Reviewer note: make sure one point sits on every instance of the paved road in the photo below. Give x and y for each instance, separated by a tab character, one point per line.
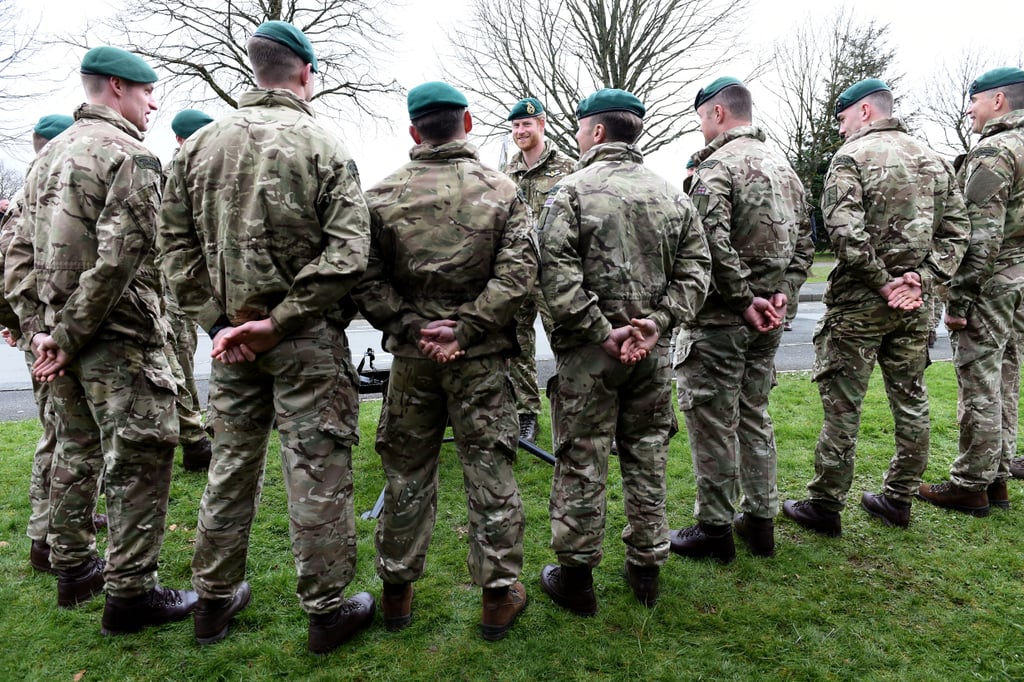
795	354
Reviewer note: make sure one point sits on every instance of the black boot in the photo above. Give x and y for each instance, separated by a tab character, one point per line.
703	541
571	587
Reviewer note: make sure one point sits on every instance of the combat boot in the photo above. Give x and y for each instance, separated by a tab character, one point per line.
885	509
704	541
39	557
396	605
328	631
952	496
813	517
643	580
501	607
571	587
160	605
79	584
213	616
99	521
757	533
196	456
998	495
528	427
1017	468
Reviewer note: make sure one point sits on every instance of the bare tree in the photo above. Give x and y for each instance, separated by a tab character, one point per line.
812	66
18	45
11	181
945	98
201	44
562	50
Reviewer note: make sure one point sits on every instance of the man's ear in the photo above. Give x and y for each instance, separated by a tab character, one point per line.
415	135
467	121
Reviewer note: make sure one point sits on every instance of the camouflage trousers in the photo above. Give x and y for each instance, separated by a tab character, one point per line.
183	344
847	342
476	397
595	398
523	367
988	377
114	411
308	384
42	460
723	382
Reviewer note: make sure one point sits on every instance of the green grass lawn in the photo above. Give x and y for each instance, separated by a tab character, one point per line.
938	601
823	264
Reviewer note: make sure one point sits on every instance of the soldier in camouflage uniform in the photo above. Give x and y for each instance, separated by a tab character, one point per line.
264	231
536	168
619	247
81	276
195	445
452	259
751	204
985	313
898	227
45	130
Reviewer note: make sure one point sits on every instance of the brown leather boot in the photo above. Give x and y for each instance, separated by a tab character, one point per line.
812	516
643	580
39	557
79	584
328	631
160	605
998	495
952	496
1017	468
571	587
885	509
212	617
501	607
757	533
396	605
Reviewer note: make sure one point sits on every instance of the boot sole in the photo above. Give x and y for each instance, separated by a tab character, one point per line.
397	623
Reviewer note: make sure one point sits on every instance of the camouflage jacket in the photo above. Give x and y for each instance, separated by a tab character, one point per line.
452	240
7	316
994	194
536	182
891	206
751	204
263	217
81	263
617	242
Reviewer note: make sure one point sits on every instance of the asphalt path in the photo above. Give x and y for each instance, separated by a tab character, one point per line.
795	354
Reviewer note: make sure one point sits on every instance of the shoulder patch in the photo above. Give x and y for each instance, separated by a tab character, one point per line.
353	170
552	195
148	162
983	151
710	163
843	160
830	197
982	186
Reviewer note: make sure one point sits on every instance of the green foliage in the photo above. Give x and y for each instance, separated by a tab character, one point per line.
936	601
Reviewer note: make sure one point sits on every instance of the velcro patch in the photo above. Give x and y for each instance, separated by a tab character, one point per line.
710	163
844	160
983	184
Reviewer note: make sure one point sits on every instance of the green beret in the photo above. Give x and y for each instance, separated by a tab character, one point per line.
52	125
295	40
691	163
996	78
113	61
713	88
526	108
188	121
434	96
859	91
610	99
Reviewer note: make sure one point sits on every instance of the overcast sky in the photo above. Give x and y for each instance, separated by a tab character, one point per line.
921	34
